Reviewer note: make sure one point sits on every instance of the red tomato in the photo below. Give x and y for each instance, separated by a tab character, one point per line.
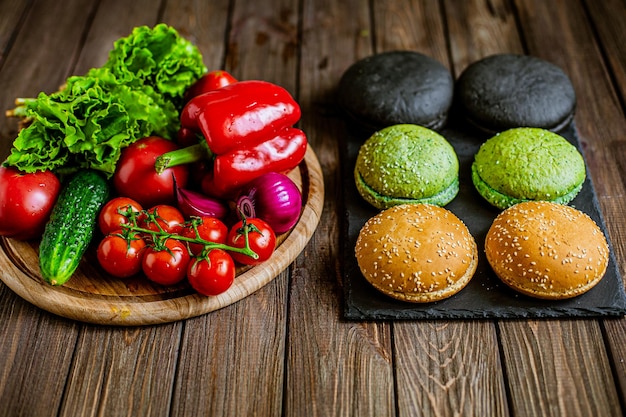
209	82
26	201
210	228
162	216
121	257
261	237
135	176
166	265
212	275
117	212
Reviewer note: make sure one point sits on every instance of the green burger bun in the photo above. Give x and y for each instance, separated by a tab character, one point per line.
527	164
406	164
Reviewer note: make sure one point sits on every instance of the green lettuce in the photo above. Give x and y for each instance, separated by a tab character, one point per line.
138	92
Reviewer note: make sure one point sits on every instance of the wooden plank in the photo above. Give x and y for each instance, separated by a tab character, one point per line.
334	368
561	354
39	63
123	371
35	358
492	27
611	30
615	331
203	23
114	19
262	43
232	360
37	346
432	372
558	369
609	26
448	369
519	361
10	24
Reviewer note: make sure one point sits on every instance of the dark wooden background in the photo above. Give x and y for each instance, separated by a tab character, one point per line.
285	350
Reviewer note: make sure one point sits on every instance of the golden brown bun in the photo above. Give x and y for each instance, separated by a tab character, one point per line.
416	252
547	250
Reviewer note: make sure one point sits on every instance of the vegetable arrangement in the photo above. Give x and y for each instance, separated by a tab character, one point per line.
180	172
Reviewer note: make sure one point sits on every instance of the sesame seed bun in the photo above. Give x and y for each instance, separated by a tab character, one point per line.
404	164
547	250
416	252
528	164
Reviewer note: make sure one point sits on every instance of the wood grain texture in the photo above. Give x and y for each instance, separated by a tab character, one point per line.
11	12
432	376
571	37
558	369
113	19
265	34
612	32
35	358
121	371
33	339
488	28
285	350
27	69
205	23
334	368
448	369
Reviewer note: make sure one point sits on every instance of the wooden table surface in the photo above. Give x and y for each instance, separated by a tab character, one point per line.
286	350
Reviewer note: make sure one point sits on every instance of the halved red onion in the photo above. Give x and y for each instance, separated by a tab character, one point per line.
274	198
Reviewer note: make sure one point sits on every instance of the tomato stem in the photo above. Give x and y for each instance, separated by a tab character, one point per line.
160	236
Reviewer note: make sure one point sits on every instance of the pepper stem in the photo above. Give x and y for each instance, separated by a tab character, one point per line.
193	153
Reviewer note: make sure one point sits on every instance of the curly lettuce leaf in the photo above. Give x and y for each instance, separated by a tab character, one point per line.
158	57
87	123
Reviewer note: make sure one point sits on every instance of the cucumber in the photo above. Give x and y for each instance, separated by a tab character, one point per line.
71	226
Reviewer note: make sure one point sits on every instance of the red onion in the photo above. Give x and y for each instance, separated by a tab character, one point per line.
274	198
192	203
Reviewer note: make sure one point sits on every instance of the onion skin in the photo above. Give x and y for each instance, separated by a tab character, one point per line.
274	198
195	204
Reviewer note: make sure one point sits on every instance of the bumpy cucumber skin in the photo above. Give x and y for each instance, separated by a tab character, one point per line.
71	226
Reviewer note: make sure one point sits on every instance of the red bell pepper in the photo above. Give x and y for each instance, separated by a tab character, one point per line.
242	113
234	169
248	131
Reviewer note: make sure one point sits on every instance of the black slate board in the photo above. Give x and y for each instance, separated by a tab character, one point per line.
485	296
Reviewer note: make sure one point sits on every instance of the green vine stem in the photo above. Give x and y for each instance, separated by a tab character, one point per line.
159	237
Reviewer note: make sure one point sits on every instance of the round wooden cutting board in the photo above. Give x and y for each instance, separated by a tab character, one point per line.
93	296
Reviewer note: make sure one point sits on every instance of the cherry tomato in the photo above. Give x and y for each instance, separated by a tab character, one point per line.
169	218
166	265
26	201
208	82
213	274
117	212
119	256
135	176
261	237
209	228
